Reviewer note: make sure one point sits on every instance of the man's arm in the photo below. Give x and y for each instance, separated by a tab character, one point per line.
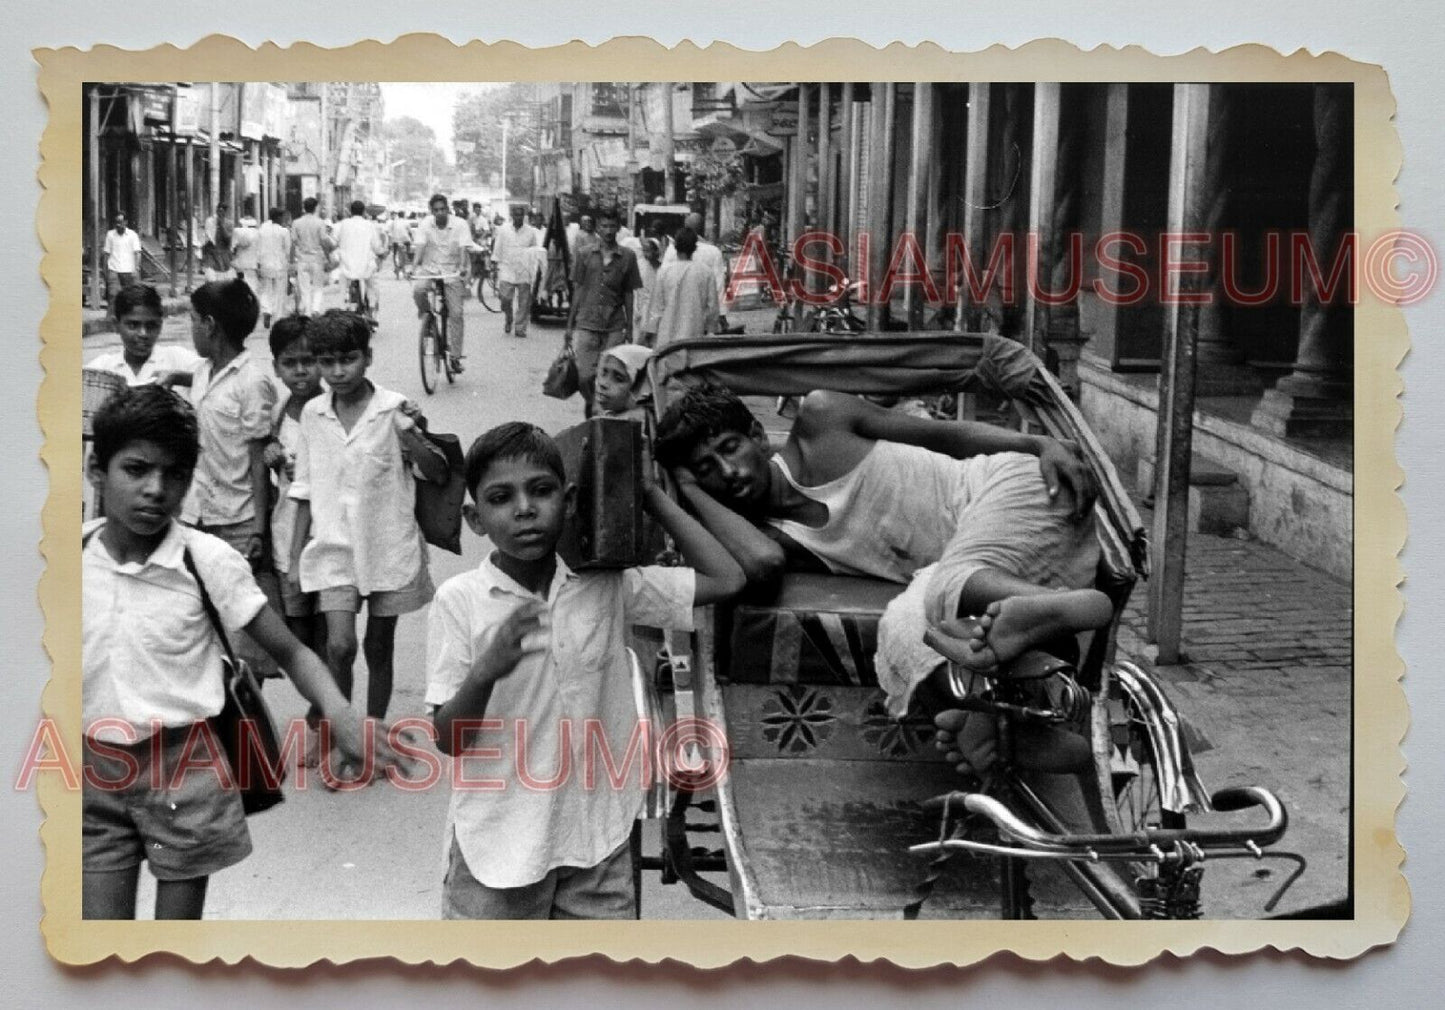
719	577
260	498
516	638
761	558
822	411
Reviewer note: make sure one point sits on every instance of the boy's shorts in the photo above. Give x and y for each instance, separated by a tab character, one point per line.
191	830
384	602
295	602
604	891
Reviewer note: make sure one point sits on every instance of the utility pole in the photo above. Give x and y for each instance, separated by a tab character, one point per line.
215	146
506	123
321	183
668	153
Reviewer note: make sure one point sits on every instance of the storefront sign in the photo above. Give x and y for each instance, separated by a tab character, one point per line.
188	110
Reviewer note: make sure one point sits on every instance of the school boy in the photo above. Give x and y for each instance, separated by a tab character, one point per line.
539	650
356	538
151	669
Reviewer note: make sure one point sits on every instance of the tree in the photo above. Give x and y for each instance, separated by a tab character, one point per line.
477	119
413	143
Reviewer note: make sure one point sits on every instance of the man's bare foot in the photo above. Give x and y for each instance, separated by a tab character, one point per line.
968	741
312	757
1013	626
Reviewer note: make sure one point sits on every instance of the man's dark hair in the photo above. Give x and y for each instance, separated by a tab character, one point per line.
232	304
147	413
286	331
309	204
704	411
438	196
357	207
277	215
137	296
685	239
610	212
513	440
337	331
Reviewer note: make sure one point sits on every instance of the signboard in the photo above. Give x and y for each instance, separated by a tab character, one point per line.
464	146
155	104
188	110
784	121
276	107
253	110
303	135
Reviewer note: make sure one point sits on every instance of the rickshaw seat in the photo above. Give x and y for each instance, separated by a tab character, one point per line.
816	629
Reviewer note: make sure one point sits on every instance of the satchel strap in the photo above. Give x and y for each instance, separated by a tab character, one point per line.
209	607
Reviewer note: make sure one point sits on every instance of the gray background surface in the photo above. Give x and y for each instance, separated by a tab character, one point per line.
1407	38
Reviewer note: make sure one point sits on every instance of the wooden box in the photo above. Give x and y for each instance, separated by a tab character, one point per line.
604	458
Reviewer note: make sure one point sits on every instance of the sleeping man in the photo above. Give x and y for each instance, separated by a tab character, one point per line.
991	530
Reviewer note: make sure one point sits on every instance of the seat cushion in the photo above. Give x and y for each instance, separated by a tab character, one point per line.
817	629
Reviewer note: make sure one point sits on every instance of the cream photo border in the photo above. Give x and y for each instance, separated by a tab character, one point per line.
1381	897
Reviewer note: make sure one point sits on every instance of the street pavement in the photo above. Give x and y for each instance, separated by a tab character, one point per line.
1266	694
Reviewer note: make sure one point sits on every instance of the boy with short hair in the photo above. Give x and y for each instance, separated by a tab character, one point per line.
296	367
539	651
151	663
356	537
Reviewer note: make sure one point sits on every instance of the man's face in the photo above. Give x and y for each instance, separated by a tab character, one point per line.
120	223
733	468
519	216
440	213
607	231
142	487
588	225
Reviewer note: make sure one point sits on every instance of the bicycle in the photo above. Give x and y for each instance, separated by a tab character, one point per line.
1125	844
487	292
356	301
433	342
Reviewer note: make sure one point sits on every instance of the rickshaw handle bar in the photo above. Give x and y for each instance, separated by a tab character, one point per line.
1236	798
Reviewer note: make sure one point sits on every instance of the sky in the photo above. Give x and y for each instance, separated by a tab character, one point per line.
430	102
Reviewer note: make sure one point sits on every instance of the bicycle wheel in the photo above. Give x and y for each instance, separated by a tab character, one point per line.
444	351
1145	780
427	351
487	292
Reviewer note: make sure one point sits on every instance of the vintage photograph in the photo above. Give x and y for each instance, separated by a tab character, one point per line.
752	500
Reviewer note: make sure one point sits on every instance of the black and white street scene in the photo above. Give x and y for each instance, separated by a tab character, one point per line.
771	500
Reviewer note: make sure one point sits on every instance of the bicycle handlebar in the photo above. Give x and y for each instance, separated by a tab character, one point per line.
1039	840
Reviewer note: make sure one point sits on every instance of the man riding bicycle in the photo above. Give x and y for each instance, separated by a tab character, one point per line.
441	248
359	247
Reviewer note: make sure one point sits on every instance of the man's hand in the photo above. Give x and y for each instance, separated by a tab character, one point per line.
1065	470
273	456
518	636
350	731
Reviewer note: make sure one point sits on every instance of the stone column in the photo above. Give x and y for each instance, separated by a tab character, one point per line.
1315	400
1053	219
923	157
1221	364
880	204
975	199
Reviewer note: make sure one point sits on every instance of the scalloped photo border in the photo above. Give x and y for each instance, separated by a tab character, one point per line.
1381	897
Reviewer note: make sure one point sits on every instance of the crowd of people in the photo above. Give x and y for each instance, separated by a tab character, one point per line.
205	494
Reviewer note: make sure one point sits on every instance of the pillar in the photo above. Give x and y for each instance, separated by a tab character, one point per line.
882	110
975	198
97	213
923	157
822	221
172	233
1315	399
847	150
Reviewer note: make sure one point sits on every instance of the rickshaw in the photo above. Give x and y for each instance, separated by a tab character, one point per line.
828	807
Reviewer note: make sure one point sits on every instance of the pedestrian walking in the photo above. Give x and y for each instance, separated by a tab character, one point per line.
122	251
216	250
273	265
711	257
244	251
516	270
356	538
311	244
603	282
647	266
359	248
684	300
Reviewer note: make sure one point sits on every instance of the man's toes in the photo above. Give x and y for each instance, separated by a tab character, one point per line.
950	720
992	611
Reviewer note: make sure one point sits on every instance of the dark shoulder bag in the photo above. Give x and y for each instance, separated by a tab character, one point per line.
244	728
439	506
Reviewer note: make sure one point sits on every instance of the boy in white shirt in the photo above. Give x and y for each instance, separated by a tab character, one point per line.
151	670
356	537
527	645
138	315
122	256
